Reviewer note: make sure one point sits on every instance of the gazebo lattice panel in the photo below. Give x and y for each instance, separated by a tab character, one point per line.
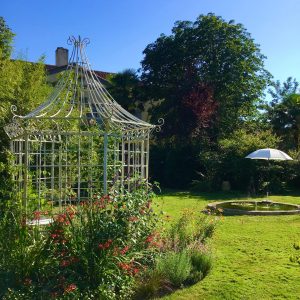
77	143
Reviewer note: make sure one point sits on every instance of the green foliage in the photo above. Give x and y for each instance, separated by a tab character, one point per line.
244	174
201	265
175	266
126	89
184	258
283	116
244	141
285	119
189	231
173	165
22	84
210	51
244	250
95	249
206	80
23	250
6	38
153	283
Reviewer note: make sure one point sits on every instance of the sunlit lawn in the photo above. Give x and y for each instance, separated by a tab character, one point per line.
251	253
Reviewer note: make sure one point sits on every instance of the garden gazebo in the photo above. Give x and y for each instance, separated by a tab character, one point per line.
77	143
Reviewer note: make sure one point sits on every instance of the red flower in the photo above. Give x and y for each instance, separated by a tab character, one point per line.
63	219
124	250
106	245
37	215
149	238
27	281
64	263
70	288
133	219
135	271
128	268
74	259
124	266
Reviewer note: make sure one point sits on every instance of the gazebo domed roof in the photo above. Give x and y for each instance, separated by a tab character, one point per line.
80	94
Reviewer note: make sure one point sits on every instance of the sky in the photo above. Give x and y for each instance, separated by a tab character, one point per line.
119	30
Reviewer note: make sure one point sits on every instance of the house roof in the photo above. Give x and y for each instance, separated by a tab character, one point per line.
102	76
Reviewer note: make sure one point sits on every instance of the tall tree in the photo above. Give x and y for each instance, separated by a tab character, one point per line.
218	55
126	89
22	84
6	38
283	113
280	91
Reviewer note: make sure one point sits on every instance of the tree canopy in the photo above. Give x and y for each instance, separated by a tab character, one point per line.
22	84
210	64
283	113
126	89
6	38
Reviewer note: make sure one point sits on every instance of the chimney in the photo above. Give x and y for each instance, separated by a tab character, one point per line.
61	56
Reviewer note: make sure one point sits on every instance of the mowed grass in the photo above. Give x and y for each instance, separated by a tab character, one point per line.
251	253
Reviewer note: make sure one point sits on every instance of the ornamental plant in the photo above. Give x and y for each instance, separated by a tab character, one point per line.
184	256
95	249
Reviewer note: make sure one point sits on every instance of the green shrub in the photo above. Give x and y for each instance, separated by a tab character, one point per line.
201	265
205	228
152	284
190	229
184	258
93	249
175	267
201	262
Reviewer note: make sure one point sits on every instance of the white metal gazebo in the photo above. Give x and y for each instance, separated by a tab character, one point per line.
77	143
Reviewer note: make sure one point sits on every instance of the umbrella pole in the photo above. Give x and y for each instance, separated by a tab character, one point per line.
268	179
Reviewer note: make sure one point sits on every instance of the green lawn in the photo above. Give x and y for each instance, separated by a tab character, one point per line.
251	253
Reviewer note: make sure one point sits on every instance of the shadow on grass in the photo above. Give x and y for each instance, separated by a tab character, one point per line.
217	196
204	196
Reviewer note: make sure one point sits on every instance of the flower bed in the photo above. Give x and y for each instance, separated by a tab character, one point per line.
110	247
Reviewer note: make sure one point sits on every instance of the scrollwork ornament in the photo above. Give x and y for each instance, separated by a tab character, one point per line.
79	42
14	129
160	122
13	109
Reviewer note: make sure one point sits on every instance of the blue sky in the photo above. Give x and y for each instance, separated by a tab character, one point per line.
120	30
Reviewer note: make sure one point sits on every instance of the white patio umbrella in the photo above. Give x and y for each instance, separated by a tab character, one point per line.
269	154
